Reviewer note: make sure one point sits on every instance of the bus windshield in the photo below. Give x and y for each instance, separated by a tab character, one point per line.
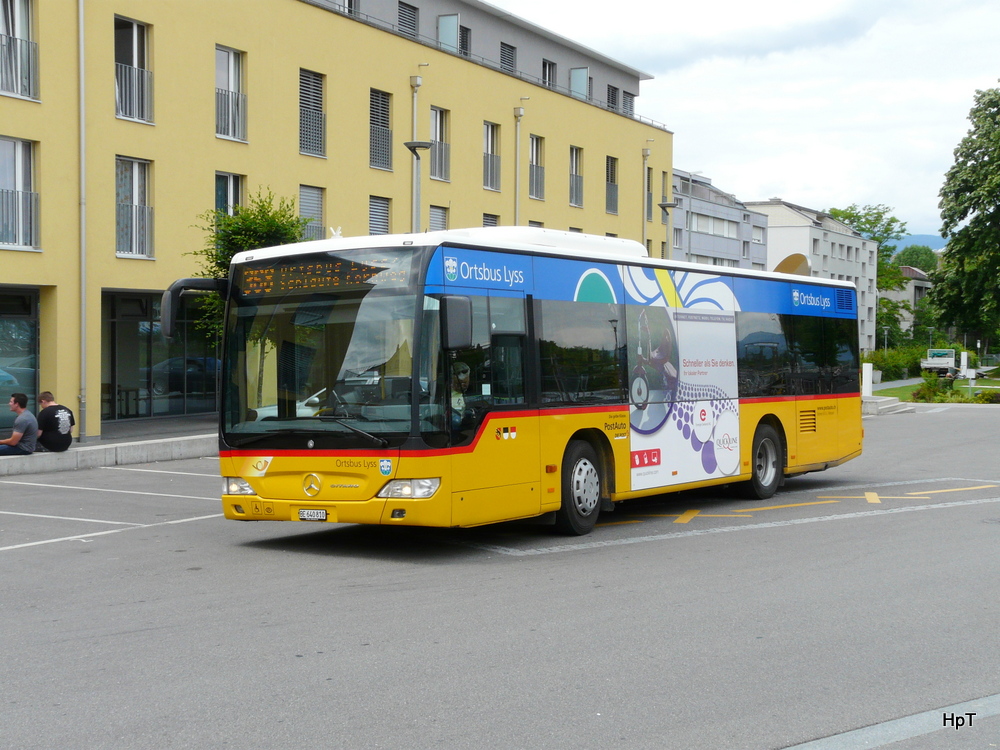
322	350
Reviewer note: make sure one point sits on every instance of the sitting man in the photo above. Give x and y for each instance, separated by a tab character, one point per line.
22	441
55	423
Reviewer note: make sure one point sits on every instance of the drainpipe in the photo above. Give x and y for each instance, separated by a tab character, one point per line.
645	190
518	114
82	421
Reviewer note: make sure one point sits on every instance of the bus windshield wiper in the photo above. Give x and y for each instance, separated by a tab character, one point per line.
269	433
380	442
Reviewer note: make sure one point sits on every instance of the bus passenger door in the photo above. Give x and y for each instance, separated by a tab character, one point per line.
495	465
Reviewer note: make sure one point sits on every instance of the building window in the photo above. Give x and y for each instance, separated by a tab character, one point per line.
133	79
579	82
536	224
549	73
312	120
746	249
440	148
464	40
758	236
18	204
678	238
18	53
508	57
311	207
611	184
613	98
628	104
228	191
134	219
407	19
649	194
491	220
575	176
536	168
351	7
230	101
438	218
378	215
380	145
491	156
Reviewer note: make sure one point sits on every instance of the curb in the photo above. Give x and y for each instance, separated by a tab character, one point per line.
116	454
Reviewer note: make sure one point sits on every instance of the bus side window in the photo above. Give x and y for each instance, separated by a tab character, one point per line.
507	365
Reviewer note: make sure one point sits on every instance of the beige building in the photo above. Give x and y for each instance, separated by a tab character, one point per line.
812	243
124	121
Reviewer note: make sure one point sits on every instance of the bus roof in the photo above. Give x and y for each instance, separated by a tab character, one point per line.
532	240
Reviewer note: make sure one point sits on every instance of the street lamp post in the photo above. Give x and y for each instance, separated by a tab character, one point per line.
885	338
930	338
665	206
415	148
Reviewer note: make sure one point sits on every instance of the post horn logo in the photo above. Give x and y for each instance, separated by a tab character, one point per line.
311	485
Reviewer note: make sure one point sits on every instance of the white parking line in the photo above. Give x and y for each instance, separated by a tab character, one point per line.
160	471
896	730
513	552
102	489
67	518
105	533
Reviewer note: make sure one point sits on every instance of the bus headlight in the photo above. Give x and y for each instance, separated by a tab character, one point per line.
236	486
414	489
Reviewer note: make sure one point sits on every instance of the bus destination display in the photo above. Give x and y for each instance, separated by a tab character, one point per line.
324	276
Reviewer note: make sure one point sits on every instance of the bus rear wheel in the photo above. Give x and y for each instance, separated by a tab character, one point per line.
767	457
581	490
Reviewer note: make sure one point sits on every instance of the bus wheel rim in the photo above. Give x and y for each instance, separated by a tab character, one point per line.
766	458
586	487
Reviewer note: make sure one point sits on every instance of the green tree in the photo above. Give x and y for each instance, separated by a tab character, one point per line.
966	289
259	223
877	223
917	256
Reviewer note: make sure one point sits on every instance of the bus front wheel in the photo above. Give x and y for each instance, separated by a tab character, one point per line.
767	458
581	490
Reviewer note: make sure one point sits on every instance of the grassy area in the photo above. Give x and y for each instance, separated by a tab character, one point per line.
905	392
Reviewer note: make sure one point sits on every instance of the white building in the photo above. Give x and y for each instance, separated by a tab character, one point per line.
712	227
813	243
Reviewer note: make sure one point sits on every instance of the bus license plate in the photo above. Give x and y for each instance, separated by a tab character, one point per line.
312	514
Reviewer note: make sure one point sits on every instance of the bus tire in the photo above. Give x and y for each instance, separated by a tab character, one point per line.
581	490
767	462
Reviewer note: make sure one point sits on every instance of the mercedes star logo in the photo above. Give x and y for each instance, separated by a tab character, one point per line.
311	485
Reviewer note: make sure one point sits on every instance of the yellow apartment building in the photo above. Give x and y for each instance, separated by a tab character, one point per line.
124	121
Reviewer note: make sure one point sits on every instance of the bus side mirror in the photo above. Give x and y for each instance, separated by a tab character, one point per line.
170	304
456	319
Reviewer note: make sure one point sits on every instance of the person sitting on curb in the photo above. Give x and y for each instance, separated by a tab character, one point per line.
22	441
55	422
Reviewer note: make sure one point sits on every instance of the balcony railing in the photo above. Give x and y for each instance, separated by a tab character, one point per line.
440	160
18	66
18	218
491	171
231	114
536	181
312	132
380	147
313	230
134	231
611	198
133	93
576	190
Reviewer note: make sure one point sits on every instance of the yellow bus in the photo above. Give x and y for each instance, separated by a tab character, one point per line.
467	377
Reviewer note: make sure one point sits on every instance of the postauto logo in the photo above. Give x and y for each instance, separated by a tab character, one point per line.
808	299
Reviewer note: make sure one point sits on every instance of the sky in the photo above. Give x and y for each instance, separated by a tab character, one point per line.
823	103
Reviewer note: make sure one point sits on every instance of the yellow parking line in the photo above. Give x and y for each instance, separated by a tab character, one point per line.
687	516
779	507
957	489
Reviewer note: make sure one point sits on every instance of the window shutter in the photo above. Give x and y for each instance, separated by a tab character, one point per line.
311	207
407	19
378	215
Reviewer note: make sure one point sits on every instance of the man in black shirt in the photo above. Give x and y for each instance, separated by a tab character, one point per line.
54	423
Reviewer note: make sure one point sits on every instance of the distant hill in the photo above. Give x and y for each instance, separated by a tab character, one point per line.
933	241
